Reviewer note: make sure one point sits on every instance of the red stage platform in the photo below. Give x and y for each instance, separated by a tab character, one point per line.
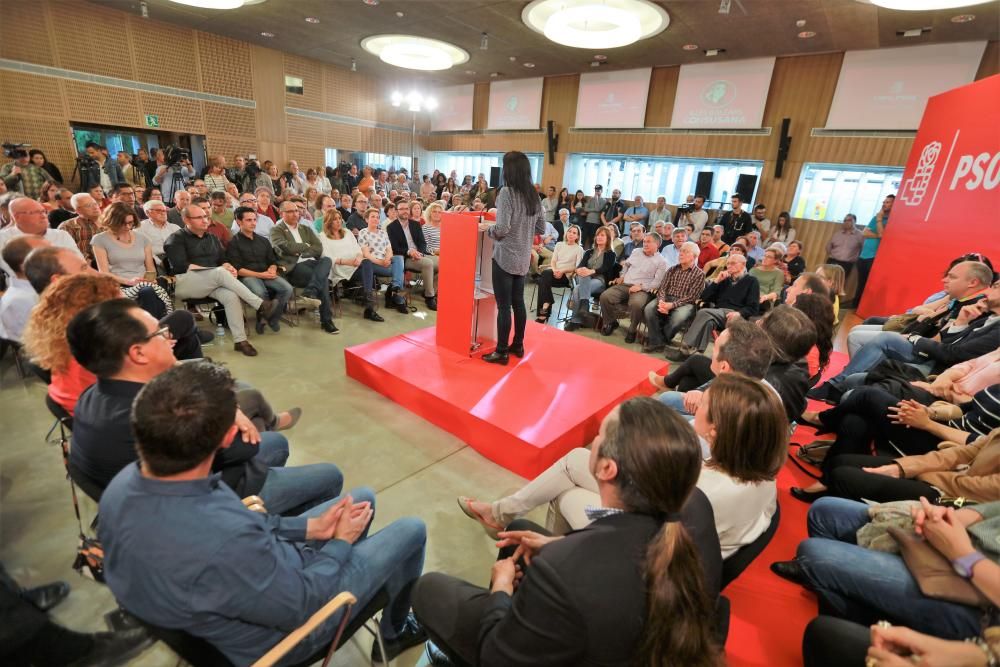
523	416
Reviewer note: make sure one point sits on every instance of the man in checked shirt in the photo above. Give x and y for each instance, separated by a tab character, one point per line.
674	302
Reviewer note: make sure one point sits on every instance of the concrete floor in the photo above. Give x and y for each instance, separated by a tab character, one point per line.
416	468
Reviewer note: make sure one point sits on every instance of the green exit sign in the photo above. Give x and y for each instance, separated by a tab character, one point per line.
152	121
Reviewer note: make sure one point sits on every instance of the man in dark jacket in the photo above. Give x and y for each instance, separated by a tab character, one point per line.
102	171
408	241
734	293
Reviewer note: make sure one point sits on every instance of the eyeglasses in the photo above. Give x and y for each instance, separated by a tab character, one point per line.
162	331
248	200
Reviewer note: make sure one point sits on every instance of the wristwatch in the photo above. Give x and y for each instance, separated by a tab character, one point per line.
964	564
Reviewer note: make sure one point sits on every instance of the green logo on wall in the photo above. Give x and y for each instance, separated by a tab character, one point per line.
152	121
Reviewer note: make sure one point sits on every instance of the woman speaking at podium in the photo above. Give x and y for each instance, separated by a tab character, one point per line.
519	218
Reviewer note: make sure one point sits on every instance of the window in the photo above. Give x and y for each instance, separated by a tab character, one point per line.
473	164
330	157
293	84
382	161
831	191
671	177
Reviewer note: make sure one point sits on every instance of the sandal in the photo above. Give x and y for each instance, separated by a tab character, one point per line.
488	524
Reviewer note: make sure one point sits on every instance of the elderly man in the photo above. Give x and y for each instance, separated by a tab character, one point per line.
197	259
755	249
665	231
661	213
407	240
300	258
182	199
642	274
63	210
674	302
29	219
637	212
84	226
23	176
734	293
20	297
672	252
845	245
156	227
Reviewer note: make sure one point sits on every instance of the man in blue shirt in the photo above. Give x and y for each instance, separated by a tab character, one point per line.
671	253
873	238
182	552
637	212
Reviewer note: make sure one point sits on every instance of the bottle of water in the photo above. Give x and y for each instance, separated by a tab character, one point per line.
220	333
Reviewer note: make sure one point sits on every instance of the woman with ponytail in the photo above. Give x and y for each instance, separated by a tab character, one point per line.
637	586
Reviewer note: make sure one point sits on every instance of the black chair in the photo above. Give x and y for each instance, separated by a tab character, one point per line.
722	611
200	653
15	348
733	566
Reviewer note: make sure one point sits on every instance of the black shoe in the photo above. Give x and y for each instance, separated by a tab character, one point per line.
259	327
412	634
808	496
400	305
48	596
371	314
432	302
629	337
267	309
572	326
329	327
435	656
114	648
826	392
496	358
389	292
790	570
609	328
516	350
652	349
275	324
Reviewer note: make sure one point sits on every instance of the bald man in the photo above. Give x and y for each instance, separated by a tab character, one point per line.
17	302
84	226
30	219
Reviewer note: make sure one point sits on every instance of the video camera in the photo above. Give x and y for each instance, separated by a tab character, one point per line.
175	155
15	151
252	168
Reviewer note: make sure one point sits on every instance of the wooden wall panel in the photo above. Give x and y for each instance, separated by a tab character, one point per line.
164	54
91	38
21	20
269	78
231	146
311	73
228	120
225	66
43	92
104	105
481	105
177	114
662	92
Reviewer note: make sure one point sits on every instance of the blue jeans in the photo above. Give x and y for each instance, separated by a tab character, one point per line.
273	449
279	287
886	345
673	399
865	585
392	558
300	487
587	287
395	271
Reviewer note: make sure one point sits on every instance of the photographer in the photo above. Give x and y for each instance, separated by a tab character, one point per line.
694	214
173	170
97	169
22	175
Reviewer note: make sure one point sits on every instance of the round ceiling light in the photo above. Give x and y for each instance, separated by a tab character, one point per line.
211	4
807	34
414	52
590	24
926	5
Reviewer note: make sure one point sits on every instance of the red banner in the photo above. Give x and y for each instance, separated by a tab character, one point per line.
949	201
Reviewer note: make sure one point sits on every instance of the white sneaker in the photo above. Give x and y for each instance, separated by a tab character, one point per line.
309	303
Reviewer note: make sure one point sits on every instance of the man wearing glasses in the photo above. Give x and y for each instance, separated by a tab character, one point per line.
198	261
30	220
300	258
264	222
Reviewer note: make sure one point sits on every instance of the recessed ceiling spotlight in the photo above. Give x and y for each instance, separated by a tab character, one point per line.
312	19
354	65
470	71
587	24
714	52
484	42
926	5
690	47
413	52
596	63
807	34
529	65
963	18
513	58
600	57
494	75
267	34
400	15
801	23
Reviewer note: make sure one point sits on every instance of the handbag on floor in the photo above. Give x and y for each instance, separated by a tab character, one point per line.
934	574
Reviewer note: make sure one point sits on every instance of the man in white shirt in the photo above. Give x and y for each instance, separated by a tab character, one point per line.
156	227
30	218
20	297
264	223
696	216
661	213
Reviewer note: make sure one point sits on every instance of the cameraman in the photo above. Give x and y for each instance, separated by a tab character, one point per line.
693	214
172	163
22	175
99	170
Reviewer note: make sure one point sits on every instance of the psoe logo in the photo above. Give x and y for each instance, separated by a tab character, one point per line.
915	187
719	93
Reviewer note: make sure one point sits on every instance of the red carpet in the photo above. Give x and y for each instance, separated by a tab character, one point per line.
770	614
523	416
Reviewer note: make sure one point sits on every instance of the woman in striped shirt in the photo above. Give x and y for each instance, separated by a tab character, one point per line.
432	227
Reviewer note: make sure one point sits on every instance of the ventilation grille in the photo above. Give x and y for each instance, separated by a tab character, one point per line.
758	132
869	134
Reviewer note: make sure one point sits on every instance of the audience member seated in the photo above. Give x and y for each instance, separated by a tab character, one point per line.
865	585
407	239
635	233
29	220
734	293
834	278
349	263
819	310
63	209
377	249
323	203
781	231
256	266
157	228
754	247
972	333
357	220
221	217
713	268
671	253
793	336
543	245
674	303
300	259
127	256
565	259
85	225
643	273
770	278
431	227
197	259
239	579
182	199
20	297
595	271
707	250
795	264
583	598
